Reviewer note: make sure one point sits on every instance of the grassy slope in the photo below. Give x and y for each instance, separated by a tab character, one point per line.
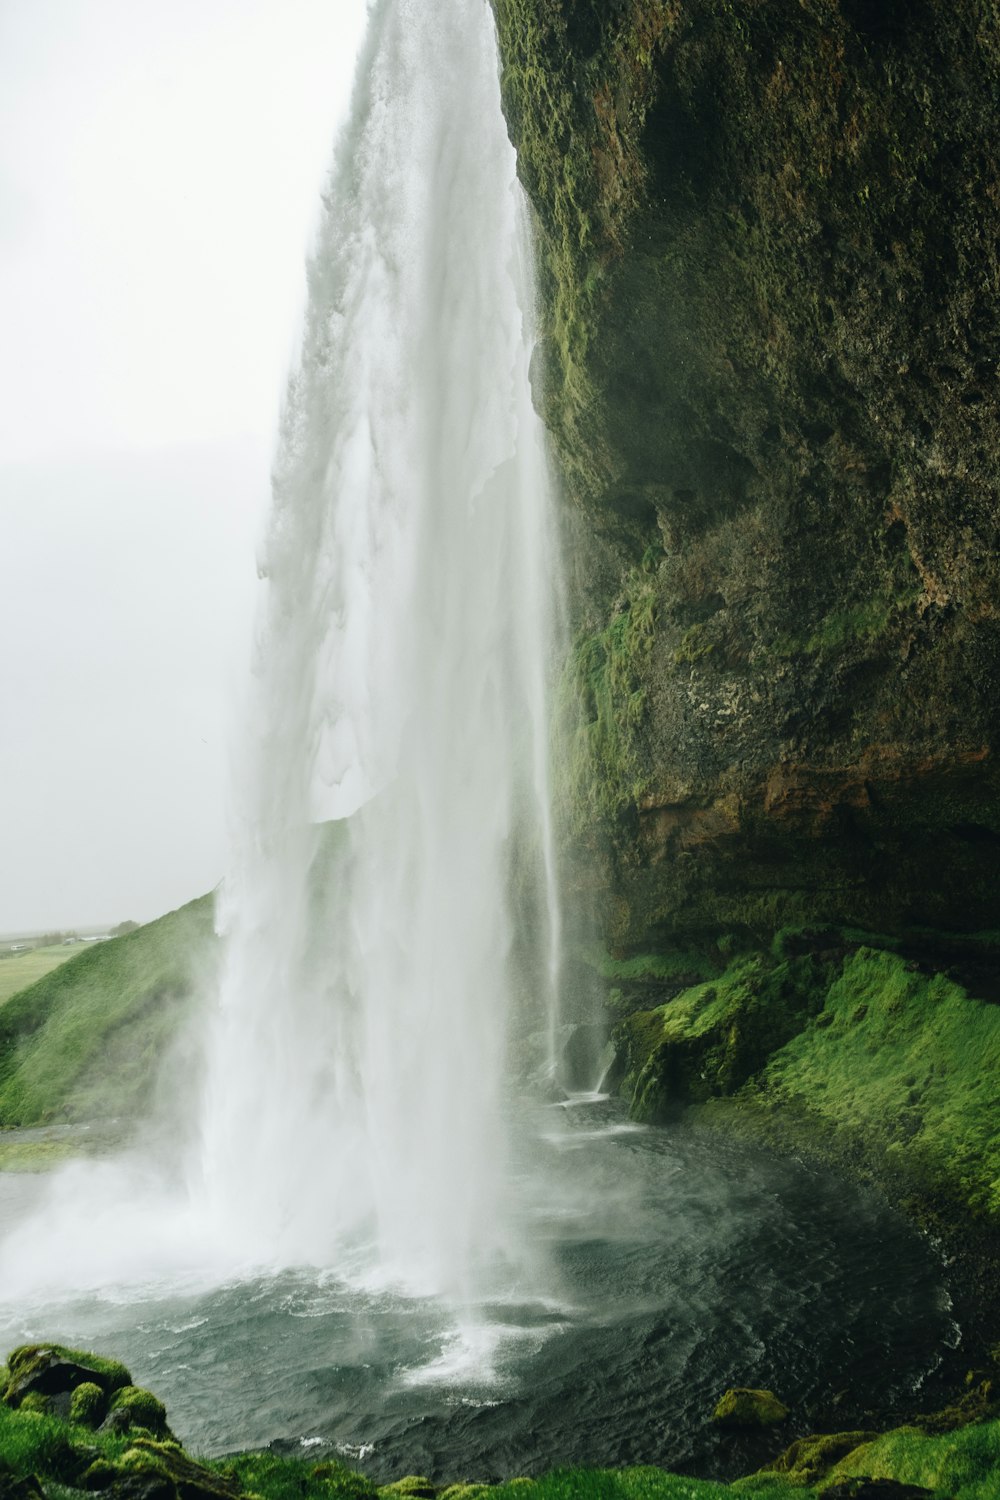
863	1042
22	969
83	1042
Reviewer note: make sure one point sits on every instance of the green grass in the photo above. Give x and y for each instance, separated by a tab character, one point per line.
909	1058
638	1484
866	1046
22	969
84	1041
962	1465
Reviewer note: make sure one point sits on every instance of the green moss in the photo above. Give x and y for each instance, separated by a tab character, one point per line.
859	1041
145	1409
693	647
100	1475
963	1465
292	1479
28	1363
742	1406
85	1041
413	1485
34	1402
712	1038
908	1059
88	1404
601	706
863	621
810	1459
632	1484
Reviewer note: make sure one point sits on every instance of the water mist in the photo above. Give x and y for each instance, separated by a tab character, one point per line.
397	783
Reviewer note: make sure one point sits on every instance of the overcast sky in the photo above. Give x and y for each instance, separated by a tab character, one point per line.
160	166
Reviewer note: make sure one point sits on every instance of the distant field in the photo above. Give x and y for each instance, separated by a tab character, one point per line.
24	968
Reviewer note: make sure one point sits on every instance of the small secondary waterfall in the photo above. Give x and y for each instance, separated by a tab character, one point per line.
356	1081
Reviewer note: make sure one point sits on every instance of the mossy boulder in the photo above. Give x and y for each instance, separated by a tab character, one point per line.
166	1460
88	1404
410	1487
141	1408
742	1406
54	1370
35	1402
101	1474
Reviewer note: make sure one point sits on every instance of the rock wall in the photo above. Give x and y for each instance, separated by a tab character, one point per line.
770	257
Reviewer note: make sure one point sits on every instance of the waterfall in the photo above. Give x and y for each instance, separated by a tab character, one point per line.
394	797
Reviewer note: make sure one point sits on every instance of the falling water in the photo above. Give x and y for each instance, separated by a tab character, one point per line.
395	801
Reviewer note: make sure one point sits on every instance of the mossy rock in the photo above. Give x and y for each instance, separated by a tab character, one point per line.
412	1487
193	1480
101	1475
34	1401
346	1481
810	1459
742	1406
53	1370
88	1404
143	1408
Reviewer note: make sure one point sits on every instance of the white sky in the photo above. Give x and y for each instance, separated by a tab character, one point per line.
160	166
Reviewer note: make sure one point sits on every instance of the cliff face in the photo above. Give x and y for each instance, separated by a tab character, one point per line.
770	246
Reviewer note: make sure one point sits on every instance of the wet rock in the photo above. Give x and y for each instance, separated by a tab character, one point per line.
119	1421
143	1409
742	1406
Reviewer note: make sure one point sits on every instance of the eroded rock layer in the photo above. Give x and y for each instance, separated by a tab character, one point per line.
771	322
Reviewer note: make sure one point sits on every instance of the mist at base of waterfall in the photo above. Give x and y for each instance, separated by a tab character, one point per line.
679	1263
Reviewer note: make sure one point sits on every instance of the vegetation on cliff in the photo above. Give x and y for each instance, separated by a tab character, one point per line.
770	291
85	1042
854	1045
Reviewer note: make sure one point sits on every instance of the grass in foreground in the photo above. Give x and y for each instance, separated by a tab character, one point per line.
70	1456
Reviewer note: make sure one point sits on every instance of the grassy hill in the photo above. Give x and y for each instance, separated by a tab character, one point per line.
83	1041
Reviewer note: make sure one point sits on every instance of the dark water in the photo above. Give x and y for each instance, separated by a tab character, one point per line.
678	1263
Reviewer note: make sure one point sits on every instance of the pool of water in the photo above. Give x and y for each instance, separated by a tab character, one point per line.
676	1262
